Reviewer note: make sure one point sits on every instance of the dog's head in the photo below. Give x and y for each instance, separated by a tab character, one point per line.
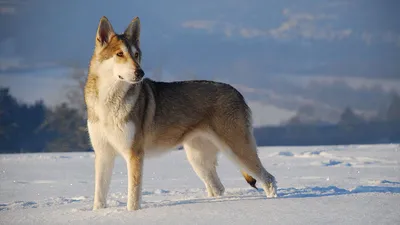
119	55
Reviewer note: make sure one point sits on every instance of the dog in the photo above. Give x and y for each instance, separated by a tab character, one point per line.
133	116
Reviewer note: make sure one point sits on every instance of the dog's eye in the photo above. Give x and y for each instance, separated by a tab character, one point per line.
136	55
120	54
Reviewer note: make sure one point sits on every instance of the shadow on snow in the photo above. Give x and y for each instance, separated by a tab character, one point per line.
231	195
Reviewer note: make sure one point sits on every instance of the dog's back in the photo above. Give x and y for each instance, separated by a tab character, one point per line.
199	100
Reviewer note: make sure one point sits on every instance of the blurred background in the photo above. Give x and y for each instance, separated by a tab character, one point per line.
314	72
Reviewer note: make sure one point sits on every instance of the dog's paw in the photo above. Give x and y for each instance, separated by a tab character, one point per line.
98	205
271	194
270	189
133	207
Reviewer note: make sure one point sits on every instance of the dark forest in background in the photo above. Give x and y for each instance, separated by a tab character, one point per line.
38	128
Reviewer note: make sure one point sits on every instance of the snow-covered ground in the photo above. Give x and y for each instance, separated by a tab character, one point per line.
316	185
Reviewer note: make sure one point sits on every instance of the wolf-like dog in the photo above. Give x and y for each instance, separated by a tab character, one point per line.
133	116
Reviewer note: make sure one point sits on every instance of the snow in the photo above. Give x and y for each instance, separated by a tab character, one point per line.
316	185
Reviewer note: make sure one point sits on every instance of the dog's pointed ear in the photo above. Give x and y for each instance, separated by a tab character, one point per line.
104	32
132	32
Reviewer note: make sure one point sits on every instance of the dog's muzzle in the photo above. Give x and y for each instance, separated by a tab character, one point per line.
139	73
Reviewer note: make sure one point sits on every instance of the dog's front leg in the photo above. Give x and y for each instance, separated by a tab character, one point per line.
134	162
104	164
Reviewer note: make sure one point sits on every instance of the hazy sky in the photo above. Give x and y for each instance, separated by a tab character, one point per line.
282	48
345	37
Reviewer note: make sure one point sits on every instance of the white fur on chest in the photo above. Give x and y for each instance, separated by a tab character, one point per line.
112	127
112	108
119	136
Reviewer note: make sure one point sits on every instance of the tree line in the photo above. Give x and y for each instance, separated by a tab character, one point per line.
62	128
352	128
38	128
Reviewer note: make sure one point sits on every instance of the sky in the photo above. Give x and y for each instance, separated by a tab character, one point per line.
282	54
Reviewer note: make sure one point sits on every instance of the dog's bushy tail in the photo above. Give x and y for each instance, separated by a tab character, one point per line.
250	180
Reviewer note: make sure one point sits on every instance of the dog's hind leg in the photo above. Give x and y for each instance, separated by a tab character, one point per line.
243	151
202	155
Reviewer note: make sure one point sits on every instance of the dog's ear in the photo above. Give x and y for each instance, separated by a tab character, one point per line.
104	32
132	32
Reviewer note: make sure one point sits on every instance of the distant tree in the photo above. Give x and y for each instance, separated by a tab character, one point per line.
8	123
348	117
393	112
295	120
305	115
75	94
19	124
68	130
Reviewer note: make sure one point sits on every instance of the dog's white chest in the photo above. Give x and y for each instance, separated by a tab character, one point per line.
119	136
112	127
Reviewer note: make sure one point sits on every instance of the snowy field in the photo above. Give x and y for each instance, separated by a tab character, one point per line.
316	185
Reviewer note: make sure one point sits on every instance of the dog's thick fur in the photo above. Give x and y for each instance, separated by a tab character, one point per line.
132	117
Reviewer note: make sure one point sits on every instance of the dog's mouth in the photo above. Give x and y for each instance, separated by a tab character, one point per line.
133	81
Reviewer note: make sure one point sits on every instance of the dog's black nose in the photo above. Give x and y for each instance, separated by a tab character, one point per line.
139	73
